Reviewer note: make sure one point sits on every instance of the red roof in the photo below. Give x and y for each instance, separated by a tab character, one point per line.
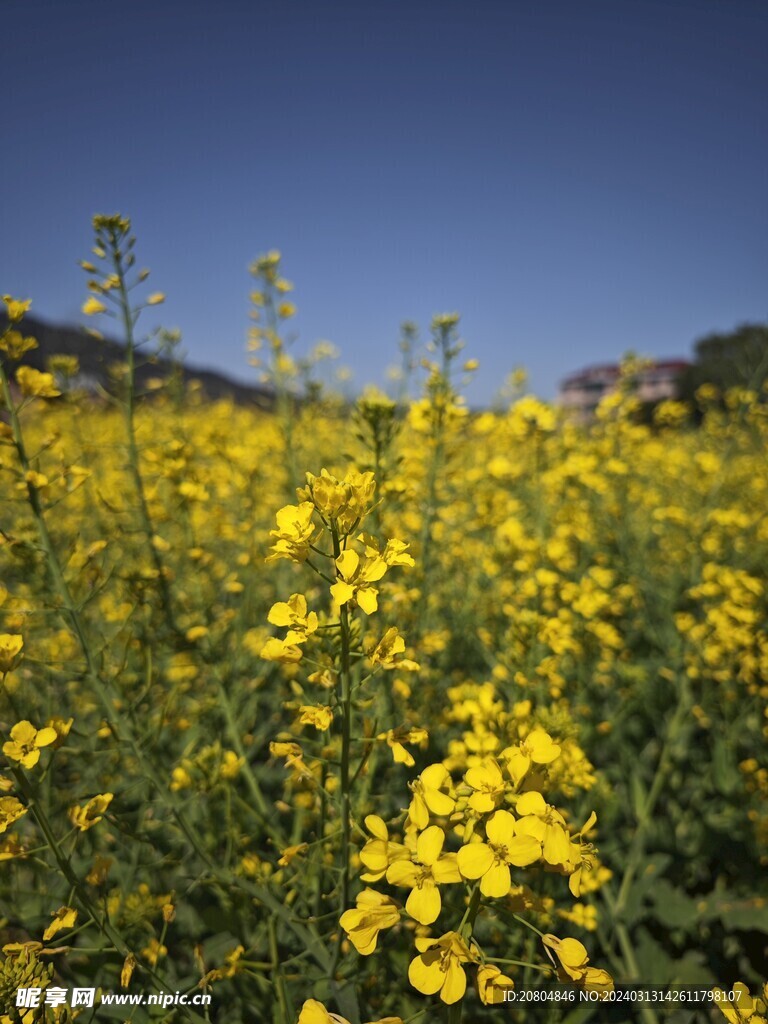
612	370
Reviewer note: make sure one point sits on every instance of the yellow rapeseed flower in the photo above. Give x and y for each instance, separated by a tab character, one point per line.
355	580
35	384
492	984
438	967
318	715
64	917
429	869
93	306
10	651
432	794
538	747
91	813
373	912
294	533
380	851
25	743
11	810
574	962
490	861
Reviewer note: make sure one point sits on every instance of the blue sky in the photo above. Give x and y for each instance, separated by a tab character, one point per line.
577	179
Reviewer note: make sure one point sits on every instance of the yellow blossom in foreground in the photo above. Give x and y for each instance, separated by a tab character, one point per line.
374	912
492	984
64	917
438	968
355	580
574	961
11	810
538	747
294	532
313	1012
379	852
542	821
490	861
431	868
430	796
25	743
739	1007
488	784
278	650
91	813
395	551
293	614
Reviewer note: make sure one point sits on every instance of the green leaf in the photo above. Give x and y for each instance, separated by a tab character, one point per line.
745	915
725	774
639	794
673	907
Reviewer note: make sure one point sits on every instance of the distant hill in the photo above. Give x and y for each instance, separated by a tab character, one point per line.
95	358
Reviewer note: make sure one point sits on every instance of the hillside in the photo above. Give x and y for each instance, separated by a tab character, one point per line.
96	358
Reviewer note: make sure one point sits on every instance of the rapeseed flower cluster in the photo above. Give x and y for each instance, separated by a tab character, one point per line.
335	747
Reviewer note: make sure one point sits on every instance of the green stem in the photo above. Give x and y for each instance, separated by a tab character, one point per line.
128	318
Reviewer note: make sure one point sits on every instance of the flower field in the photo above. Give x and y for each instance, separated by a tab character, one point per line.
375	713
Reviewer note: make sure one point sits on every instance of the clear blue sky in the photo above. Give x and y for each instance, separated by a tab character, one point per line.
576	179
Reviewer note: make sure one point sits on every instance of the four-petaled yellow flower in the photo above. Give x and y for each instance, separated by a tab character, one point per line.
489	786
542	821
293	614
438	968
538	747
432	794
355	580
432	868
374	912
379	852
395	551
294	532
490	861
25	743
